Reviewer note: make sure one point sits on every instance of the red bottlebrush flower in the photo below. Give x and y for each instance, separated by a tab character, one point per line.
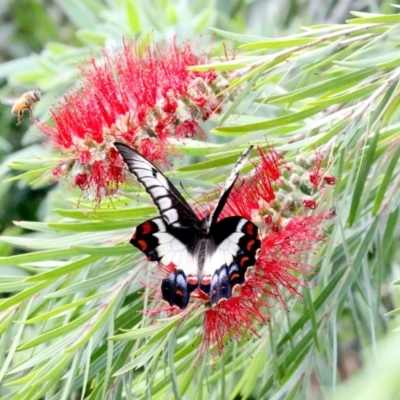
82	181
250	197
58	172
138	96
189	129
309	203
287	236
276	268
268	220
330	180
318	174
269	196
84	157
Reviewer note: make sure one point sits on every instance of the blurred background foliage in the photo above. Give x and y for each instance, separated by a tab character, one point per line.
42	41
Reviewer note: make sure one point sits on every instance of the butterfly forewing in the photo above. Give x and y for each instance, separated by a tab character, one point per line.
172	206
229	185
209	255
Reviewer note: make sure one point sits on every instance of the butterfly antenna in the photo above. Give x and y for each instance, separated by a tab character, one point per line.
191	198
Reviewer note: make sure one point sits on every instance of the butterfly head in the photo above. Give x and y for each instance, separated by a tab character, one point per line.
206	223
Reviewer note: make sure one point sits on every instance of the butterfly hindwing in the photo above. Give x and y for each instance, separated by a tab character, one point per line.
168	244
175	289
237	242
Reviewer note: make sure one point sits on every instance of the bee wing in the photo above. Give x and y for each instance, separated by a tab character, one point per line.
8	101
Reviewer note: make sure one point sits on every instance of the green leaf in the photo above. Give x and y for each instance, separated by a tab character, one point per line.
148	354
272	123
52	371
37	256
92	283
25	294
278	43
94	226
90	36
64	270
15	342
360	255
127	213
323	87
171	362
78	13
347	97
366	163
18	65
63	309
242	95
238	37
30	174
58	332
330	134
132	14
253	369
118	250
386	181
155	331
218	162
383	62
5	323
97	324
376	19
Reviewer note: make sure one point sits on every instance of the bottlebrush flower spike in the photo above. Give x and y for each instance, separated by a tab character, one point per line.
277	268
249	196
276	196
279	197
141	97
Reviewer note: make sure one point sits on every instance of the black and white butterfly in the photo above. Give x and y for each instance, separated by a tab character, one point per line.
208	254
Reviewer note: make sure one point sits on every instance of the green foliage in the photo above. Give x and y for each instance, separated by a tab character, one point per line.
70	318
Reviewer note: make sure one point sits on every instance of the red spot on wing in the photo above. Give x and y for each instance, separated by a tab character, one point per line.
178	293
192	280
142	244
235	276
250	228
206	280
146	228
243	260
249	244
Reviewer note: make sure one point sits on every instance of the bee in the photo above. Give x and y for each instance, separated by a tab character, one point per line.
25	103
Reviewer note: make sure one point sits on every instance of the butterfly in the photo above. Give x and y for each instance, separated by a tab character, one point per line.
209	254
